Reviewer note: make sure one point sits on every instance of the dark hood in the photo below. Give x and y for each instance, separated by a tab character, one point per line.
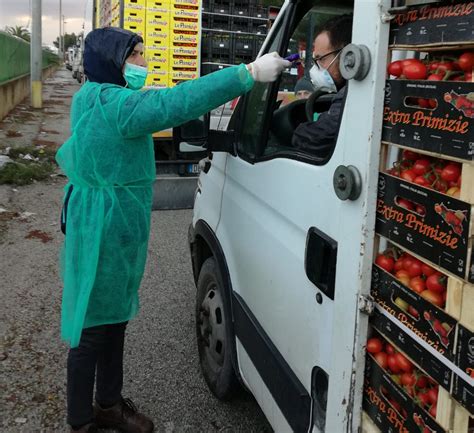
105	52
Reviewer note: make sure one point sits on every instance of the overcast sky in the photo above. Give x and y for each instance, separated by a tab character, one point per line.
18	13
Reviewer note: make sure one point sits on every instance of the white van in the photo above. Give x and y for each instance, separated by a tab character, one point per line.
282	242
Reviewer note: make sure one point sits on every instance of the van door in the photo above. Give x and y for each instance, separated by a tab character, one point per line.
299	257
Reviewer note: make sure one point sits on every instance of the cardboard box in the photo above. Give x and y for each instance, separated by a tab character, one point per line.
462	390
159	56
184	75
139	29
160	19
157	39
448	129
431	365
187	24
179	3
433	25
185	38
441	236
185	12
134	17
379	394
157	81
192	51
184	63
158	68
163	4
386	289
134	3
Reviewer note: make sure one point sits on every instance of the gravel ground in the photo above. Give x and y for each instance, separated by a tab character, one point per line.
161	365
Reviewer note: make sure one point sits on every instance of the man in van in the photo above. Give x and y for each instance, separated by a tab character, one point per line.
319	137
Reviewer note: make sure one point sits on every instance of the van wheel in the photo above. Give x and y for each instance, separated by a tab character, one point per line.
214	337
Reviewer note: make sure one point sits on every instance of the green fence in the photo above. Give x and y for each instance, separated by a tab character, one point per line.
15	57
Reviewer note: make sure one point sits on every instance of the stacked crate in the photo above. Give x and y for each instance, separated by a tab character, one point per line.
432	226
232	32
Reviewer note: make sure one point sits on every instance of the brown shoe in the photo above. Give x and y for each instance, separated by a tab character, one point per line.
88	428
123	416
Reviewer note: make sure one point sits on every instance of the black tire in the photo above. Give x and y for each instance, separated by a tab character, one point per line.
214	334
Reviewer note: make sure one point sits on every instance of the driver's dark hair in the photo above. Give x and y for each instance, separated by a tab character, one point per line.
339	30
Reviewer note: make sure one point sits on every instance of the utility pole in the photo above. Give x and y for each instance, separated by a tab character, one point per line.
60	45
36	55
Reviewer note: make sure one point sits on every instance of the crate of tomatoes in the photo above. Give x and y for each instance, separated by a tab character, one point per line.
433	25
418	207
429	105
398	396
415	294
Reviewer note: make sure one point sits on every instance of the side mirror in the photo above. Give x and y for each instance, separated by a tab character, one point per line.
192	136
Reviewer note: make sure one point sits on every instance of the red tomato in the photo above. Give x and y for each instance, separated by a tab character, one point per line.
423	399
435	77
407	262
468	77
421	166
423	103
414	269
415	70
436	282
404	203
410	155
393	364
451	172
385	262
420	210
395	68
433	395
389	349
408	175
381	359
466	61
374	345
422	382
440	185
413	312
433	103
445	66
433	297
427	270
398	265
402	273
404	363
408	379
417	284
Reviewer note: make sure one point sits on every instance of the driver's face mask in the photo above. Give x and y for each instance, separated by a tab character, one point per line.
321	78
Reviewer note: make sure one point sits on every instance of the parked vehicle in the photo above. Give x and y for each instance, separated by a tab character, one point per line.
282	242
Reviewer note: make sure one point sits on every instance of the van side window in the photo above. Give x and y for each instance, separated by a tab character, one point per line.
306	110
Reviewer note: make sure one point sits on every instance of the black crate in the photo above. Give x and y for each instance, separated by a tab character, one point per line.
258	27
241	9
237	59
258	11
240	24
220	41
244	44
206	21
221	7
219	22
208	68
258	42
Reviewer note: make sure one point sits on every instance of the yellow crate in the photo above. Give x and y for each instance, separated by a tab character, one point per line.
184	13
134	3
183	62
183	75
134	17
157	39
157	68
184	38
158	19
157	80
159	4
160	55
184	25
139	29
192	51
195	3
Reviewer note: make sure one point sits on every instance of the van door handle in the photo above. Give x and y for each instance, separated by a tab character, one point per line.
205	165
321	260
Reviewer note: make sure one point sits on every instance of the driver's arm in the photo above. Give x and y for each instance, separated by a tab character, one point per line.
319	137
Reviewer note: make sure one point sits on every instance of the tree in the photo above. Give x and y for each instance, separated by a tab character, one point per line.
70	39
19	31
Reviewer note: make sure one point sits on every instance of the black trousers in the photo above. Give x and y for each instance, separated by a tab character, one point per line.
101	350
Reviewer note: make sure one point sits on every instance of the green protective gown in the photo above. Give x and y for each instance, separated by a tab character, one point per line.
109	160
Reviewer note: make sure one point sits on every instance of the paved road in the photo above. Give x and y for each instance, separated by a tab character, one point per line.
161	371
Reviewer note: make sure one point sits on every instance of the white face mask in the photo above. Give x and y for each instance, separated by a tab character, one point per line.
321	78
